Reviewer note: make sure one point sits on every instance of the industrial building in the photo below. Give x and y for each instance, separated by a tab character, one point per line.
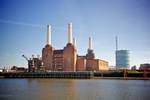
34	63
67	59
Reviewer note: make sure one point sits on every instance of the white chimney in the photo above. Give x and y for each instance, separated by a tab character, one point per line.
70	33
49	34
74	42
90	43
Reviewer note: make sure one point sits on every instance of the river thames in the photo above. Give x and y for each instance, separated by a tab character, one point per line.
74	89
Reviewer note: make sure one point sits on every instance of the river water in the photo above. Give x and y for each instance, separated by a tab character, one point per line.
74	89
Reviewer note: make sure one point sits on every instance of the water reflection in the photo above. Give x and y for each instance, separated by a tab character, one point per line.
42	89
69	89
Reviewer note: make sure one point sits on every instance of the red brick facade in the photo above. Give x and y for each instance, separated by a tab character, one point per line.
66	60
47	57
70	57
81	64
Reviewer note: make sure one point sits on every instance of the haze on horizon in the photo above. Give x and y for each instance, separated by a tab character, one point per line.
23	28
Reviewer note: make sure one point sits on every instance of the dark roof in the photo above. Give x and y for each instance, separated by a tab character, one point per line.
48	46
81	56
58	51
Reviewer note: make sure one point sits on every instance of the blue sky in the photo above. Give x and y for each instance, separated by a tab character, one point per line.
23	27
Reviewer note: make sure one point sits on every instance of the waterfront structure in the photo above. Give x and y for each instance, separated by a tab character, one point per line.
145	66
89	63
18	69
34	63
66	59
59	59
122	59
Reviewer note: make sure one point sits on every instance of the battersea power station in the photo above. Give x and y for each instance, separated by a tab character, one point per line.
67	59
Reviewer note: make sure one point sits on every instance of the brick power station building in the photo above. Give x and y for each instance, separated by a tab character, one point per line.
67	59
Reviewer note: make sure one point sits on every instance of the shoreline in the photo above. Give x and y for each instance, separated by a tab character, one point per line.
74	75
93	78
122	78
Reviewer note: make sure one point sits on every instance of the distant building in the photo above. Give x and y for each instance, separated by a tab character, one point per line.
1	70
112	67
34	64
18	69
133	68
66	59
145	66
122	59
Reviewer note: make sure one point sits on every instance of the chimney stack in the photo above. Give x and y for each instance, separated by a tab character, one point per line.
49	34
74	42
116	43
70	33
90	43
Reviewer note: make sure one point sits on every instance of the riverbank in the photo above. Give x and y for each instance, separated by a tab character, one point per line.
73	75
122	78
78	75
95	78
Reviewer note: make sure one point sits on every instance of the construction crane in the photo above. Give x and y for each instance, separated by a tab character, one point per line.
30	63
25	57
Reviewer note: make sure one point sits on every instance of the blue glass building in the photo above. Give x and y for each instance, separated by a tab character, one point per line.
122	59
